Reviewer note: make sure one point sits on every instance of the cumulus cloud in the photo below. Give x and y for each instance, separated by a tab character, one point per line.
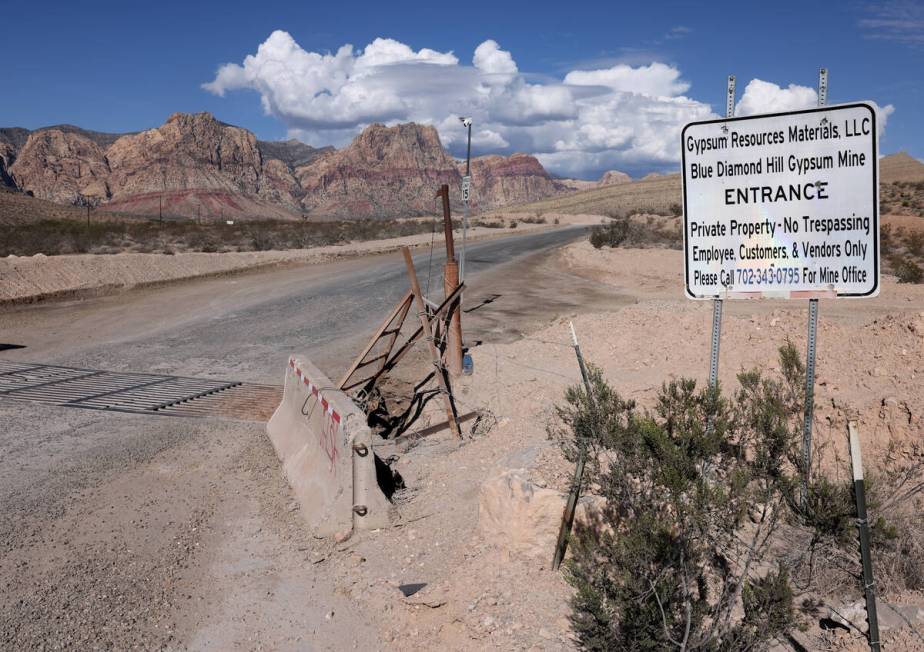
622	116
766	97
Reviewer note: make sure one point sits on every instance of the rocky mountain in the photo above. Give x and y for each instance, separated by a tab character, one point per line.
384	172
194	166
504	180
291	152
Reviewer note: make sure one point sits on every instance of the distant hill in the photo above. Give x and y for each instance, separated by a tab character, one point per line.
660	194
663	193
900	167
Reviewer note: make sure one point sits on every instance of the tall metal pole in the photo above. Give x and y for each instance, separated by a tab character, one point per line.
859	488
812	345
466	190
567	520
717	303
450	283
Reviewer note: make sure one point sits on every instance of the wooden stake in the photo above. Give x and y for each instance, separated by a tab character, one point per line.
451	415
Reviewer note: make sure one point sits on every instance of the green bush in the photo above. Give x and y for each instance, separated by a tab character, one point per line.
694	489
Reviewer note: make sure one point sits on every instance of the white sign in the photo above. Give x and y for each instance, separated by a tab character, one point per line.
783	205
466	186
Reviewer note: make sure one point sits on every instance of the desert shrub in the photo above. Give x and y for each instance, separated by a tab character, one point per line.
886	239
626	232
513	224
538	219
612	234
676	210
54	237
704	541
694	489
915	243
907	270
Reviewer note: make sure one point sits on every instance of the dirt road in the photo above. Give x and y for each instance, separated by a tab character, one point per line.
120	530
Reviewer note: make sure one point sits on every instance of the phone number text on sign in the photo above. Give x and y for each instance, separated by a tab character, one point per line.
782	205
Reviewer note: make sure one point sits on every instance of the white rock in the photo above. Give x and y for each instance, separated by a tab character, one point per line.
519	517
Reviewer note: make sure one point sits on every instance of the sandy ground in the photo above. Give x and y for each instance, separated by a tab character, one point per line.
870	359
185	536
39	277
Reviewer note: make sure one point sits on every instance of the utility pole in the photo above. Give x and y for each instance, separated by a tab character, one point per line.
450	283
466	190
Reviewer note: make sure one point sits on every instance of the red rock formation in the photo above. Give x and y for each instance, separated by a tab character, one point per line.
384	172
503	180
61	167
194	165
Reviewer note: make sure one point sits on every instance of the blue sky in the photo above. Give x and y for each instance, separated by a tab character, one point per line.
572	82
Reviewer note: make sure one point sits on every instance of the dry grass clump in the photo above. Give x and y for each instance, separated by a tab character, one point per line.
903	253
59	236
638	231
902	198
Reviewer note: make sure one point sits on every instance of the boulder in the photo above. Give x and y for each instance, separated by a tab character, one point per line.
522	518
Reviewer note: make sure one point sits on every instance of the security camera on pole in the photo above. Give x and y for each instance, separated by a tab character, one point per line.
466	189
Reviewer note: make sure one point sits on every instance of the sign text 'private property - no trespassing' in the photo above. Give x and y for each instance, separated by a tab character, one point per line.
783	205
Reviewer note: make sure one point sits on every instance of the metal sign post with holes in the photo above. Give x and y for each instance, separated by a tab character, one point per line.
783	206
859	488
717	303
811	348
567	520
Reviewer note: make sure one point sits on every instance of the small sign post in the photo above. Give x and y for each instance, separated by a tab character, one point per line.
859	489
717	303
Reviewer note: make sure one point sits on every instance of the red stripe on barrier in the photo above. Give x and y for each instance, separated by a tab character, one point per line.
315	391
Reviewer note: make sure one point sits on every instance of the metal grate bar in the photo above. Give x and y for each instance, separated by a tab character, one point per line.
136	393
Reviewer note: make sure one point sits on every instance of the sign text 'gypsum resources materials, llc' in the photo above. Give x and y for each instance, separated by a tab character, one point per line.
781	204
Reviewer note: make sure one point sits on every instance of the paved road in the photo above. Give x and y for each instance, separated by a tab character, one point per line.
245	326
119	530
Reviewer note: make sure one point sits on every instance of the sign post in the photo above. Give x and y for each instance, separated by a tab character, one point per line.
782	206
717	303
811	348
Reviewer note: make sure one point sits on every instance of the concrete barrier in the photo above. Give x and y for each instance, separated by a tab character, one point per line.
325	447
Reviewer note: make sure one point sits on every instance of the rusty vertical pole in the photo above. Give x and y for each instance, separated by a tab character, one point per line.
450	283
